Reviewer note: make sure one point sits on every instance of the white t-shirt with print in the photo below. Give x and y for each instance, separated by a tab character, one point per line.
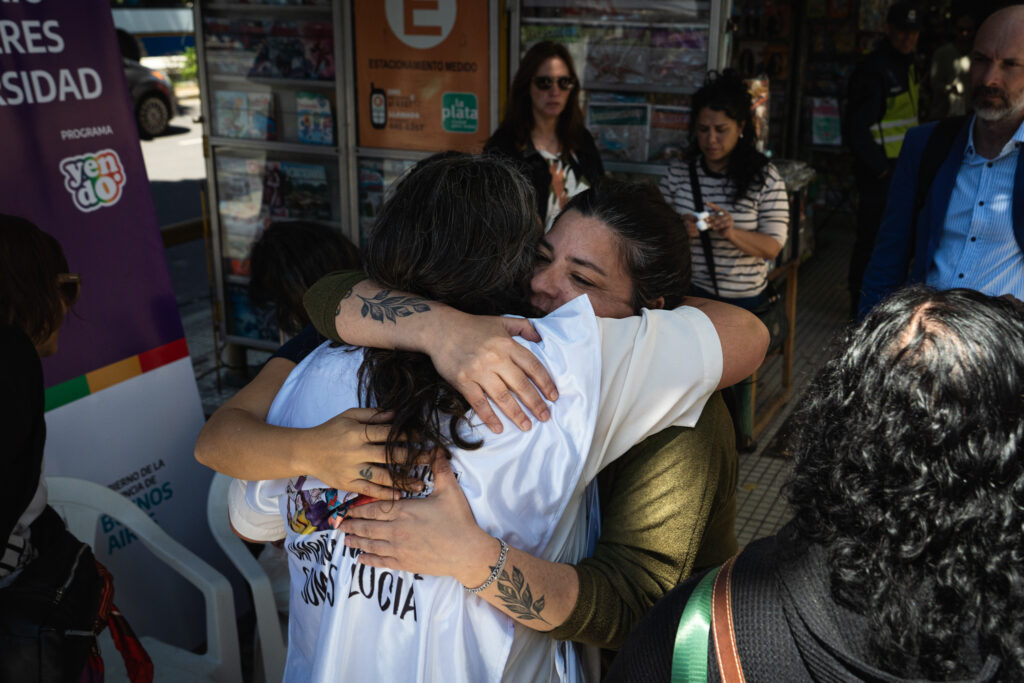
619	381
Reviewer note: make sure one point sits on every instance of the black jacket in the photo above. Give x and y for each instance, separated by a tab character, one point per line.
586	164
788	627
24	428
883	73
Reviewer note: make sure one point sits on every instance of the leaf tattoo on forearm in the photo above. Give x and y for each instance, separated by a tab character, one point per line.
518	597
384	306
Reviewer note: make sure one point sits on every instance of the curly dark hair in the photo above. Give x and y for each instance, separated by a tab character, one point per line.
652	236
726	92
519	111
909	472
31	262
461	230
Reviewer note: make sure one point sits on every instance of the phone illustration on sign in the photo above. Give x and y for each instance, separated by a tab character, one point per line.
378	107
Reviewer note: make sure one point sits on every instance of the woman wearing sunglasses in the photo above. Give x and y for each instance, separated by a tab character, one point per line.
543	130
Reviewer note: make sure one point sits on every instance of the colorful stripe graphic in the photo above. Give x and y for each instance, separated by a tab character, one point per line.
115	373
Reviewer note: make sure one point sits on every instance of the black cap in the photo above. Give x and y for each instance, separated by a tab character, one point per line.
904	16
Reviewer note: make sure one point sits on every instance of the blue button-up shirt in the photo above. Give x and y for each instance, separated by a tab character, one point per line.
977	248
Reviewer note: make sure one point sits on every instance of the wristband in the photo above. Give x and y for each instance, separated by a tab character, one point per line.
495	570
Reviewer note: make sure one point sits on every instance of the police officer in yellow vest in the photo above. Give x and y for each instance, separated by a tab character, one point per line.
882	106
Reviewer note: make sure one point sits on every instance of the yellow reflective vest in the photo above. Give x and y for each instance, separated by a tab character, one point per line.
900	116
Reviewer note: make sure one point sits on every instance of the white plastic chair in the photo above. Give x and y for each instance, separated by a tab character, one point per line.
271	646
80	503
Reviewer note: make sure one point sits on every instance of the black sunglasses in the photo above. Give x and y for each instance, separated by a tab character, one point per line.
545	82
70	286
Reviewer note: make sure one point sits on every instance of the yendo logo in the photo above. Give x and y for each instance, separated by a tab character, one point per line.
420	24
94	180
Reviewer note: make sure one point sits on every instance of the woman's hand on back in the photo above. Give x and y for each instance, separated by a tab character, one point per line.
480	358
436	535
347	452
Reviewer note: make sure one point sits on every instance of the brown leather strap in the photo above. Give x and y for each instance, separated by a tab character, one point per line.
722	626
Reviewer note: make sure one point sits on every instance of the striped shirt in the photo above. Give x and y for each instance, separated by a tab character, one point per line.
977	248
764	210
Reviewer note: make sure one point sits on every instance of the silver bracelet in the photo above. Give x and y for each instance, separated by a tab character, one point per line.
495	570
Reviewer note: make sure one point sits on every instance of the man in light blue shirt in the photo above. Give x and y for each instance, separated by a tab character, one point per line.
970	230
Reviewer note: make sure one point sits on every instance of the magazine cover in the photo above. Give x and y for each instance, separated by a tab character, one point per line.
318	46
678	58
825	122
274	187
305	191
316	125
239	187
238	266
238	236
616	57
248	115
246	320
620	130
371	194
670	131
231	45
295	50
260	111
230	115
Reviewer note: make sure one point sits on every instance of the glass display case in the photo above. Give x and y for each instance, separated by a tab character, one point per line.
272	111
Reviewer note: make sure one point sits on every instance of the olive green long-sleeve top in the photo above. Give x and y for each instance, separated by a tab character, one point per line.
668	508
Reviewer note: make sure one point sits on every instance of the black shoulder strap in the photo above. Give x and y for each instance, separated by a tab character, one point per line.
939	144
705	238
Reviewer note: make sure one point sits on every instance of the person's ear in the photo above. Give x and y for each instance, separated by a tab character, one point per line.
656	304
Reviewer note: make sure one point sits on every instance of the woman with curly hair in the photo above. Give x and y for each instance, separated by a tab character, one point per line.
903	559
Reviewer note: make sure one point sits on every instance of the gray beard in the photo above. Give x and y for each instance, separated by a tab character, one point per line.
994	114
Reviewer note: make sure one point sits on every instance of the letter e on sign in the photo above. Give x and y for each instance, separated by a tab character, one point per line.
420	24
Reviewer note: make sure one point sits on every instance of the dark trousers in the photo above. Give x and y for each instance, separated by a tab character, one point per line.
873	194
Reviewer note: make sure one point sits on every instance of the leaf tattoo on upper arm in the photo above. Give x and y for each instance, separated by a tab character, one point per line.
518	598
383	306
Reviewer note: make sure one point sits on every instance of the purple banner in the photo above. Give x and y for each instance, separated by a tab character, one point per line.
72	164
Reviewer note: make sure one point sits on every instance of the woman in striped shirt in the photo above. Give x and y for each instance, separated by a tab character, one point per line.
745	201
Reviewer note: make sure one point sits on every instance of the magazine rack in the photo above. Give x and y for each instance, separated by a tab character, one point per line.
274	119
283	84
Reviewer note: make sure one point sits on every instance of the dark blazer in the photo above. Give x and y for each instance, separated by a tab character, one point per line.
898	244
586	164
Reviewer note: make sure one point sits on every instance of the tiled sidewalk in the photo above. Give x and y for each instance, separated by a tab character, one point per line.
822	306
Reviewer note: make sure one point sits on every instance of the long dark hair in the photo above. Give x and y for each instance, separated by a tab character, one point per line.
288	258
519	112
30	263
652	237
460	230
909	471
726	92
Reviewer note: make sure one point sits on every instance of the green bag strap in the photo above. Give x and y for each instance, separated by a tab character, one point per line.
690	654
